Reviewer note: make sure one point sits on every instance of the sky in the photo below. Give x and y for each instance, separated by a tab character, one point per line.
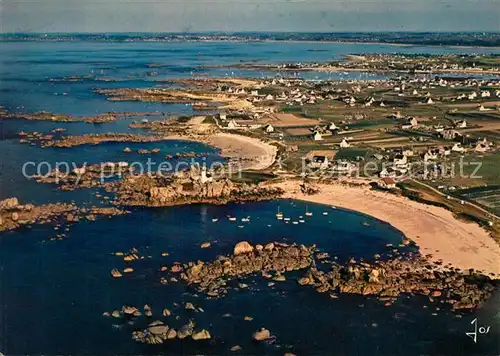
248	15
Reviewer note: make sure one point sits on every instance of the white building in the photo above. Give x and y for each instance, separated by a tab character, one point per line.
457	147
344	144
317	136
269	128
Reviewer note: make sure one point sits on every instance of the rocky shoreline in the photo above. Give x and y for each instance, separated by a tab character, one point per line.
193	186
14	215
386	280
65	118
95	139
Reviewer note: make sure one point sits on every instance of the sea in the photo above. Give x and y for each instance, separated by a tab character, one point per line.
53	293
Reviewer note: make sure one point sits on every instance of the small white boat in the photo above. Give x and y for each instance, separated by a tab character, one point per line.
245	219
215	220
325	213
295	222
232	218
308	213
279	215
334	207
302	221
287	219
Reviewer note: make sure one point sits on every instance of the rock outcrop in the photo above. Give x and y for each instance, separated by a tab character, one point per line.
242	247
195	185
386	280
211	277
14	215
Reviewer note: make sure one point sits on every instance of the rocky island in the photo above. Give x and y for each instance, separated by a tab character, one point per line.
193	186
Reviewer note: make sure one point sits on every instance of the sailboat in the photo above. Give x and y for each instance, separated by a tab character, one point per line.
279	215
308	213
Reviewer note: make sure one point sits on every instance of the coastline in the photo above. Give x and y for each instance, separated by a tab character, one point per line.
435	230
252	153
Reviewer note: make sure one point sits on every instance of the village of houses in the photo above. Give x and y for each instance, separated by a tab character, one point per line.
408	126
413	123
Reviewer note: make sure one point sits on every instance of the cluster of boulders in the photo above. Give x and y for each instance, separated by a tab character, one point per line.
386	280
144	151
195	185
157	331
14	215
95	139
211	277
87	176
188	155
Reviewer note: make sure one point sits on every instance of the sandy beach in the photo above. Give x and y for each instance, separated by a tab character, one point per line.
253	153
435	230
248	153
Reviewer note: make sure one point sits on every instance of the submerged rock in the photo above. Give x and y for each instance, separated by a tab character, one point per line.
186	330
261	335
116	273
129	310
201	335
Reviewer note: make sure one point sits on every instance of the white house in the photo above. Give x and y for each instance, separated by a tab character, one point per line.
269	128
332	127
457	147
317	136
320	162
461	124
400	160
450	134
344	144
485	94
482	146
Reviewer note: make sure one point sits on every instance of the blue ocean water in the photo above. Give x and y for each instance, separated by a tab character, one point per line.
53	293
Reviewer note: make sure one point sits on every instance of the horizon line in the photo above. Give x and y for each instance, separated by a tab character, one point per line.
248	32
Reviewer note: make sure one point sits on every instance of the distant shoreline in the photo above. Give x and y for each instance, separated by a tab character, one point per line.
496	48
